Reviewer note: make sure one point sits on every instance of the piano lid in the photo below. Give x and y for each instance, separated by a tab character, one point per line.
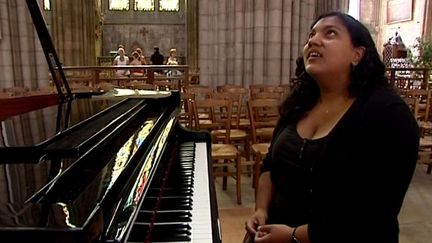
24	136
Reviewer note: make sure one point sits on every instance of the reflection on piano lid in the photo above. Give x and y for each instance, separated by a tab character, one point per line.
24	136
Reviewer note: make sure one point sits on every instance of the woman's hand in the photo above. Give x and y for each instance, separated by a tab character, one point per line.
273	233
257	219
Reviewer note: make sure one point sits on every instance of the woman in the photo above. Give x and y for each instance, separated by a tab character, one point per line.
172	59
344	150
121	60
136	61
141	57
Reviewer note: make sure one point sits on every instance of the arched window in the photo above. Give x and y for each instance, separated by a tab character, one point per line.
354	8
144	5
169	5
122	5
46	5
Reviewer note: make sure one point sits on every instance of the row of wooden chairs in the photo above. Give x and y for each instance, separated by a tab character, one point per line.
220	114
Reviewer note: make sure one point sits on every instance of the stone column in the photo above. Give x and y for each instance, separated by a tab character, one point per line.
192	35
73	31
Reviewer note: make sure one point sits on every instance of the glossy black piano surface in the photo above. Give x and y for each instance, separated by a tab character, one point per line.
95	195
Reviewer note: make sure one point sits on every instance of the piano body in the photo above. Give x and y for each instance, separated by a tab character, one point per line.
100	169
125	171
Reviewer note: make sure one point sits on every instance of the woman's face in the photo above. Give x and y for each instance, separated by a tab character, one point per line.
120	52
329	50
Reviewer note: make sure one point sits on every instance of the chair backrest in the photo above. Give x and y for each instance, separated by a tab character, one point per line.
424	101
263	113
268	95
222	88
186	115
237	100
200	92
242	106
413	104
219	112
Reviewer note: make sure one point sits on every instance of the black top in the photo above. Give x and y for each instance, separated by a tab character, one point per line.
359	180
293	158
157	58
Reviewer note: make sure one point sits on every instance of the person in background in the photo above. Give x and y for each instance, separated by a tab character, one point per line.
157	58
116	54
121	60
172	59
136	61
344	150
141	56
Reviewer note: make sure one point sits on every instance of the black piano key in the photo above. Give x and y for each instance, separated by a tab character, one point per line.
186	191
161	232
177	216
169	203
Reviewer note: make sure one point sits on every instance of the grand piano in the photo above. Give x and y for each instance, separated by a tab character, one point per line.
105	169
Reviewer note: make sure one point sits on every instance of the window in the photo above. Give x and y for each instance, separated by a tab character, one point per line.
144	5
354	8
118	5
46	5
169	5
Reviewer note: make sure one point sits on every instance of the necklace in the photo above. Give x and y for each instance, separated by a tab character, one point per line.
336	107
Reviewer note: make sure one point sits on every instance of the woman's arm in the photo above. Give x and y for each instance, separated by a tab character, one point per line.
263	198
264	192
276	233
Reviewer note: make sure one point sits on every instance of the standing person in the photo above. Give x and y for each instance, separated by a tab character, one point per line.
344	150
157	58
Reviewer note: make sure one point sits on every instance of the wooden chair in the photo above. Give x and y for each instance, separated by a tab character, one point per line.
242	114
425	158
225	155
240	137
268	95
186	115
413	105
423	96
263	121
200	93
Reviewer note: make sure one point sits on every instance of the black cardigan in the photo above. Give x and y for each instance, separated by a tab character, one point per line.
365	167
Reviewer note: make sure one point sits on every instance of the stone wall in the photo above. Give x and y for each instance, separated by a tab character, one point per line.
145	36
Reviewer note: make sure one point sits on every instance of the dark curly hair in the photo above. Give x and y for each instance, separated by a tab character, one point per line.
367	75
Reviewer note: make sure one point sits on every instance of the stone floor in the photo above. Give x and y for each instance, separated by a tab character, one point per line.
415	217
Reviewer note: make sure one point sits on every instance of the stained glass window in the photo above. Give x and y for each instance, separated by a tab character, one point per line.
118	5
47	5
144	5
169	5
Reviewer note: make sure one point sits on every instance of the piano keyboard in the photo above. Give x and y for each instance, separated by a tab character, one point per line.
201	224
177	205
